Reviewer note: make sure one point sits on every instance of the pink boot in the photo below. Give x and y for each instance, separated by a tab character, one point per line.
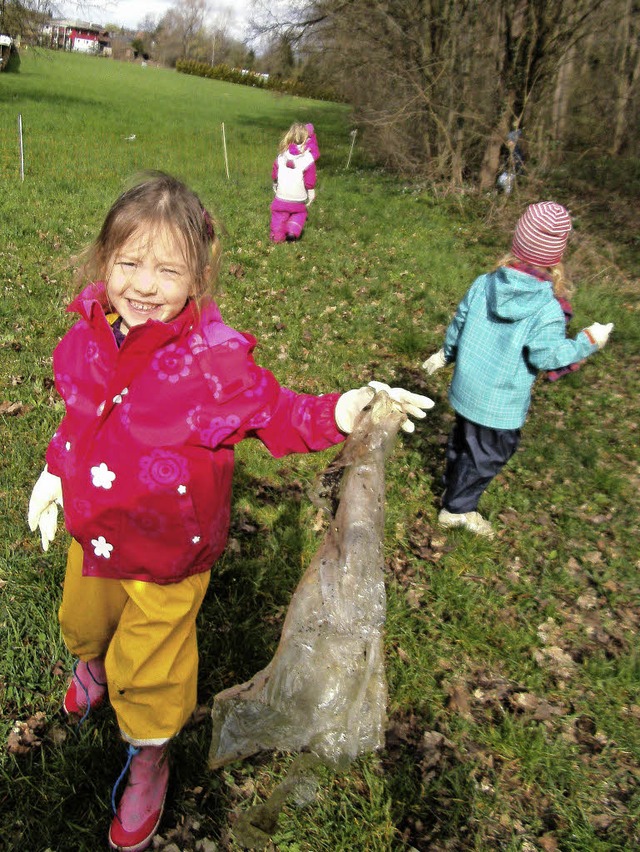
140	809
87	688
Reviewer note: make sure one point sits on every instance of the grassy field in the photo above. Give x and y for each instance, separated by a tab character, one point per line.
514	708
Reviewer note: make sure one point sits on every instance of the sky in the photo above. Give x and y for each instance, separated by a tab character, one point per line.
129	13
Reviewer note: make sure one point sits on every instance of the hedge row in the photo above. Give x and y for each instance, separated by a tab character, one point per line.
250	78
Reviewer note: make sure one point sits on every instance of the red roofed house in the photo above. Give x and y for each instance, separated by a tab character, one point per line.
79	36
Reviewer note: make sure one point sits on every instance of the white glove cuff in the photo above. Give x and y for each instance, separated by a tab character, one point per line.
349	405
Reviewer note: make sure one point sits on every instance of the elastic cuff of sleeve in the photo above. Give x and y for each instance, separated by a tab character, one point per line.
590	337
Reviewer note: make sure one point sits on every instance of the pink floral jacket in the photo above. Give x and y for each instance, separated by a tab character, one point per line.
145	449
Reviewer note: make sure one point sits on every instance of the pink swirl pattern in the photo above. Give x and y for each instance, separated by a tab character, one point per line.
172	363
162	469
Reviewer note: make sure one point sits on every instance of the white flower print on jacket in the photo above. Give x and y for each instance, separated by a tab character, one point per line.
101	476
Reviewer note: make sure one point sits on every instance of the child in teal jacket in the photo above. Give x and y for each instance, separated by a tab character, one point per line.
508	326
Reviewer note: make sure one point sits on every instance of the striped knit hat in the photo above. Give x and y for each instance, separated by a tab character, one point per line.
541	234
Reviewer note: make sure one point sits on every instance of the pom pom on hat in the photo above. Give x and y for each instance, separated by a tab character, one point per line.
541	234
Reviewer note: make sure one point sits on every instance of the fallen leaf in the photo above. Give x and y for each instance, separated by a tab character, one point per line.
57	734
588	601
459	700
601	821
414	597
13	409
403	655
563	665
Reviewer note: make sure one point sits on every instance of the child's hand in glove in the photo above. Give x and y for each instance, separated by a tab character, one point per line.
598	333
43	506
436	362
352	402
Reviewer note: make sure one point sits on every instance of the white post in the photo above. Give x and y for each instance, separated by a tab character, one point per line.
21	146
353	135
224	145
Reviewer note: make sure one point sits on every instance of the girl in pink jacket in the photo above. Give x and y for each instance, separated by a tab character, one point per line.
294	181
157	392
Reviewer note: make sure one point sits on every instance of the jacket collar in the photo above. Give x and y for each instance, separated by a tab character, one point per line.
92	305
529	269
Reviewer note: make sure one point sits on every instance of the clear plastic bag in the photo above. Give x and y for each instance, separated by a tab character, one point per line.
325	691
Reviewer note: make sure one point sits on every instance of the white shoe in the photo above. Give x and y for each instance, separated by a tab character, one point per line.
472	521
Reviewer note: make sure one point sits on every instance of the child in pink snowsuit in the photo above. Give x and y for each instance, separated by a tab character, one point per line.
294	180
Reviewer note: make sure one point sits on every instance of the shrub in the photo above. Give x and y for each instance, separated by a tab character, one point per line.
13	62
251	78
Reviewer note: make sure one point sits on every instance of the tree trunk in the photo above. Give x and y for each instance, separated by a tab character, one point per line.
627	77
491	158
562	95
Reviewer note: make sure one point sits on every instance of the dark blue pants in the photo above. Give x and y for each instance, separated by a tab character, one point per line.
475	454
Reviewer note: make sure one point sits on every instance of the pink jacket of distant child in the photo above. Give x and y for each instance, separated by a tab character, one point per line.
293	175
145	449
294	172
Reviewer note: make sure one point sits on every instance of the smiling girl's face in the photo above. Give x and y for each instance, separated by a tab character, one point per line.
149	278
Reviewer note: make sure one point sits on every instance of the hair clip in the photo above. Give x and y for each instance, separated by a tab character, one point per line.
208	224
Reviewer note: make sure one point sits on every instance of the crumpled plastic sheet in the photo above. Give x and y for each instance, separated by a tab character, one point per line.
325	689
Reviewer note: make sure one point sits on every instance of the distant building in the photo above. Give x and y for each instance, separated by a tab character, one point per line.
80	36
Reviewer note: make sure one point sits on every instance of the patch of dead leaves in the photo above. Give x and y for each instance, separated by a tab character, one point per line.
30	735
14	409
432	750
26	737
237	270
183	838
584	733
485	695
427	544
557	660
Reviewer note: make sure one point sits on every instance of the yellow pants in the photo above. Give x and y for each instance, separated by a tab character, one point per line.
147	635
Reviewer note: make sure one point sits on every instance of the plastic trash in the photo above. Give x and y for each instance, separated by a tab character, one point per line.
325	689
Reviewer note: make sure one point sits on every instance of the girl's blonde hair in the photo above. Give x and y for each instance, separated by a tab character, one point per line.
155	200
562	287
297	134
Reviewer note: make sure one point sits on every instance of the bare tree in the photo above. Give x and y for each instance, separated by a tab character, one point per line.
278	59
628	67
437	84
23	18
182	30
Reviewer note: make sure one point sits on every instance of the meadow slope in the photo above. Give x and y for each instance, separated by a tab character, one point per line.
513	668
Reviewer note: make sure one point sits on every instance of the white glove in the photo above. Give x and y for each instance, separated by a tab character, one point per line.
311	194
413	404
599	333
43	506
436	362
351	403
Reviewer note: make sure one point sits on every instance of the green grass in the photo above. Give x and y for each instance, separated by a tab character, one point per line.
494	742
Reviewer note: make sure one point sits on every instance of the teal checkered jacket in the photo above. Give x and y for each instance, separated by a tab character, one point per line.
508	326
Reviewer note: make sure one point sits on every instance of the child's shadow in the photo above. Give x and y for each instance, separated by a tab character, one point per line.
253	582
430	436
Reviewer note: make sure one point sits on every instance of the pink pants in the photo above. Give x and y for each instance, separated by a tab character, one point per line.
287	219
